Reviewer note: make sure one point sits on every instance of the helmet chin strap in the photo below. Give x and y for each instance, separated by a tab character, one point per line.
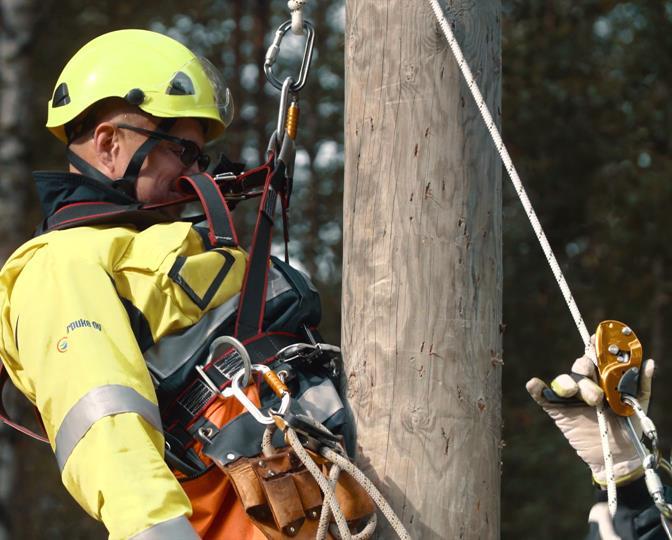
126	183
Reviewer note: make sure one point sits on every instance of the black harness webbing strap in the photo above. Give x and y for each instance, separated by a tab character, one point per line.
220	225
75	212
253	293
99	213
221	230
138	158
284	203
246	181
86	168
4	415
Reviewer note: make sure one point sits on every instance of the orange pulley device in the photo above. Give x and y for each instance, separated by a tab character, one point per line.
618	350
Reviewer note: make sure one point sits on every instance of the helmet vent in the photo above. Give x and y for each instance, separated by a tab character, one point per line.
181	85
61	96
135	96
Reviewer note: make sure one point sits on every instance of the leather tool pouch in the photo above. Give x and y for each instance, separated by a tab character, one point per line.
283	499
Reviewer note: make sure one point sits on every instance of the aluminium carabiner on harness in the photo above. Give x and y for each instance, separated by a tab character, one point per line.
236	390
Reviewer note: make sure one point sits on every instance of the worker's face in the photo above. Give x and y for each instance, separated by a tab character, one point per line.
162	165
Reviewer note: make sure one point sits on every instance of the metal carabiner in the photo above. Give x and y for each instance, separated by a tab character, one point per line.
274	49
235	390
305	350
282	109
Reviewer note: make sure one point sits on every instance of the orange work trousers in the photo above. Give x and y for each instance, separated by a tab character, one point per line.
217	514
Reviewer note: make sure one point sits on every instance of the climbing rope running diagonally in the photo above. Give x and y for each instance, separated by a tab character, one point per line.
538	230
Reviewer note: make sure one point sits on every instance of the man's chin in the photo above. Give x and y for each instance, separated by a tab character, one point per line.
174	210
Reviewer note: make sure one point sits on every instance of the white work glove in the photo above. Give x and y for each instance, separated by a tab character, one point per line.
578	423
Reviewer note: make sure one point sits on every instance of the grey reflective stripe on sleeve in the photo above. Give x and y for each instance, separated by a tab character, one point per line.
96	404
177	528
321	401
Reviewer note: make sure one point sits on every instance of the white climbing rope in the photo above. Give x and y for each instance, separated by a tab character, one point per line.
296	10
358	476
322	481
327	485
325	514
536	225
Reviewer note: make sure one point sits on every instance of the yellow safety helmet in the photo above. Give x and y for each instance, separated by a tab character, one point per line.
156	73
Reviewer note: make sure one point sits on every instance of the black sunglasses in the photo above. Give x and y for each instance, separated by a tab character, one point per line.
190	153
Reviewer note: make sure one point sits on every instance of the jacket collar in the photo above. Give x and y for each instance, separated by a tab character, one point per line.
56	189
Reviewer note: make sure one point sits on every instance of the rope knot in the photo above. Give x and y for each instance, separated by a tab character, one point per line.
296	10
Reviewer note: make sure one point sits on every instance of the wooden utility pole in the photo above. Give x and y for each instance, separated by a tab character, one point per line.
422	269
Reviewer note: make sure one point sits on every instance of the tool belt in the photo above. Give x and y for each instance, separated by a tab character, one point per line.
283	499
275	488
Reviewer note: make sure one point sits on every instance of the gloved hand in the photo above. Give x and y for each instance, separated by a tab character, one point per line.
578	423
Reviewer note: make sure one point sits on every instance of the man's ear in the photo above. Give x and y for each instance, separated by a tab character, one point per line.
107	149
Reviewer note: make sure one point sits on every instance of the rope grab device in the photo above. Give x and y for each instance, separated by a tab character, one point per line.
618	351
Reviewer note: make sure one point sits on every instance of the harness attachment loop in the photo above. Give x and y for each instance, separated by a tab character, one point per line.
239	348
317	449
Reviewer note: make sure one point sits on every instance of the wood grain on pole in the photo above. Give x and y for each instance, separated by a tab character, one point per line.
422	268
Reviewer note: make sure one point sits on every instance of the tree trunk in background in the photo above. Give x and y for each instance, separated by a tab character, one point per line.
422	277
17	21
262	15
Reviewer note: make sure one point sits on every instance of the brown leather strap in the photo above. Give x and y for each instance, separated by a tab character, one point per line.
283	499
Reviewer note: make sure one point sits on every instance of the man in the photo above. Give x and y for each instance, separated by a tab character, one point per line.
81	305
637	518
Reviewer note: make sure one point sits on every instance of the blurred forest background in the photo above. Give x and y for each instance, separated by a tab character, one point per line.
586	116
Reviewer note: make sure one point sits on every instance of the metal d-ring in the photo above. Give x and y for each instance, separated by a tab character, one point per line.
239	348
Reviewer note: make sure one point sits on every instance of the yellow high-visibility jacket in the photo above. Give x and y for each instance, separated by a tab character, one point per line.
68	344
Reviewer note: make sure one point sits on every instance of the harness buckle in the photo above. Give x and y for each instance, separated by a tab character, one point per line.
306	351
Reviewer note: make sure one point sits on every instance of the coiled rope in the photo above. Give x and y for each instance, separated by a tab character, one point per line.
330	505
